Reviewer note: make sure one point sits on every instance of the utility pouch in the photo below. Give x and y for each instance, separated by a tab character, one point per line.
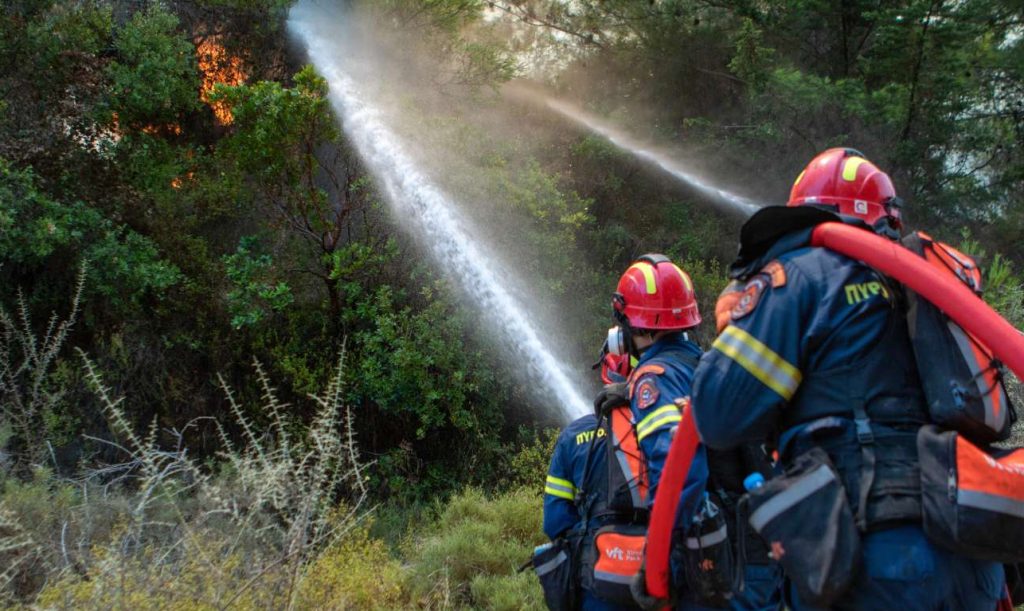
972	499
707	557
611	559
555	568
805	517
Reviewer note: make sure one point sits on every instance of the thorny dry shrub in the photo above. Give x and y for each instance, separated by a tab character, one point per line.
28	398
161	531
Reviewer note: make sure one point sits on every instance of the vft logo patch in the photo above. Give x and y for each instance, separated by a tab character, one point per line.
615	553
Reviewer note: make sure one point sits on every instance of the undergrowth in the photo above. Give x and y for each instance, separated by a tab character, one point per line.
160	530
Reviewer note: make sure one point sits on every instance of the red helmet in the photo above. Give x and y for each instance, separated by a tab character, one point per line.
844	180
655	294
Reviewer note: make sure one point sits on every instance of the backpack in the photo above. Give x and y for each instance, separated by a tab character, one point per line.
962	383
613	554
972	498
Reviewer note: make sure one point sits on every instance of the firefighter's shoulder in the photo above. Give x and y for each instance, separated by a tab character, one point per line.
579	431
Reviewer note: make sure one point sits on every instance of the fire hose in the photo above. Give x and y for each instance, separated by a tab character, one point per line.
951	296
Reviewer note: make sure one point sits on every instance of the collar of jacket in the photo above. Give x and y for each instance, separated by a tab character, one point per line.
776	230
672	341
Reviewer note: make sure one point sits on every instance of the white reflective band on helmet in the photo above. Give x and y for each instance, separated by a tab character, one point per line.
782	502
990	502
712	538
551	565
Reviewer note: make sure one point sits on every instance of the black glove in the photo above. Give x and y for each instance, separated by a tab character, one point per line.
638	588
612	396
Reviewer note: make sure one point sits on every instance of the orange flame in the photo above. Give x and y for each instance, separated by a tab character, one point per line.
217	66
179	181
171	129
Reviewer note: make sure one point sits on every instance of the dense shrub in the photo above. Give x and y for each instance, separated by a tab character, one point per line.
471	555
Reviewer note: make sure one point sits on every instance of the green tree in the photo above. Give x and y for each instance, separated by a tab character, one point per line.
286	141
255	293
154	78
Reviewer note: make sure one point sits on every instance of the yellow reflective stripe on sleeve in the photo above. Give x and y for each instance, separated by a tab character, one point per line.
850	168
759	360
562	488
561	482
558	492
648	271
666	414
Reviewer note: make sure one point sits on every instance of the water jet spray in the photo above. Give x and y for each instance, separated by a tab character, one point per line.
737	204
426	209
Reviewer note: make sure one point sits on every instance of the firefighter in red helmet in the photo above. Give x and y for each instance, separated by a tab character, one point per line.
814	351
843	181
655	306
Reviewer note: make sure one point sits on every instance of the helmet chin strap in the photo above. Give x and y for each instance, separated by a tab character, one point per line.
627	333
885	228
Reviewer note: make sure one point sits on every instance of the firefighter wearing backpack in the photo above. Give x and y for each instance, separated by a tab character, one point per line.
815	353
654	306
663	374
588	489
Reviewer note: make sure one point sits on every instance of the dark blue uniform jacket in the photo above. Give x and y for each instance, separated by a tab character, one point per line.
566	474
662	375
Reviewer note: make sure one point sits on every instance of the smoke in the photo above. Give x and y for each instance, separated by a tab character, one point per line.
344	56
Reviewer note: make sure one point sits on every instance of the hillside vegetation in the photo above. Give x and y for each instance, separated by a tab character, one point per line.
230	378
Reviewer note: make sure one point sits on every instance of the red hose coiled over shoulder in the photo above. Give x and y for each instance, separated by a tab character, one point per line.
946	292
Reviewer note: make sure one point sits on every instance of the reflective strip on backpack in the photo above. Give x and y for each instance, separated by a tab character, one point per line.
551	565
990	502
782	502
627	454
712	538
995	414
613	577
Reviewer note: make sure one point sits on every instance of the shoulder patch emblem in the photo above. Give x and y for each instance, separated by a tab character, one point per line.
726	302
750	297
646	394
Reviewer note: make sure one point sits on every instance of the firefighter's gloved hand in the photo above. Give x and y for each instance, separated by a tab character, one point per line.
647	602
612	396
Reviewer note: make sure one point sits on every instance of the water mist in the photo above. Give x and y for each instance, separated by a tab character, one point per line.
722	198
425	208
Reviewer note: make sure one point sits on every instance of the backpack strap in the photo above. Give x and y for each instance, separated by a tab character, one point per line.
866	440
585	500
